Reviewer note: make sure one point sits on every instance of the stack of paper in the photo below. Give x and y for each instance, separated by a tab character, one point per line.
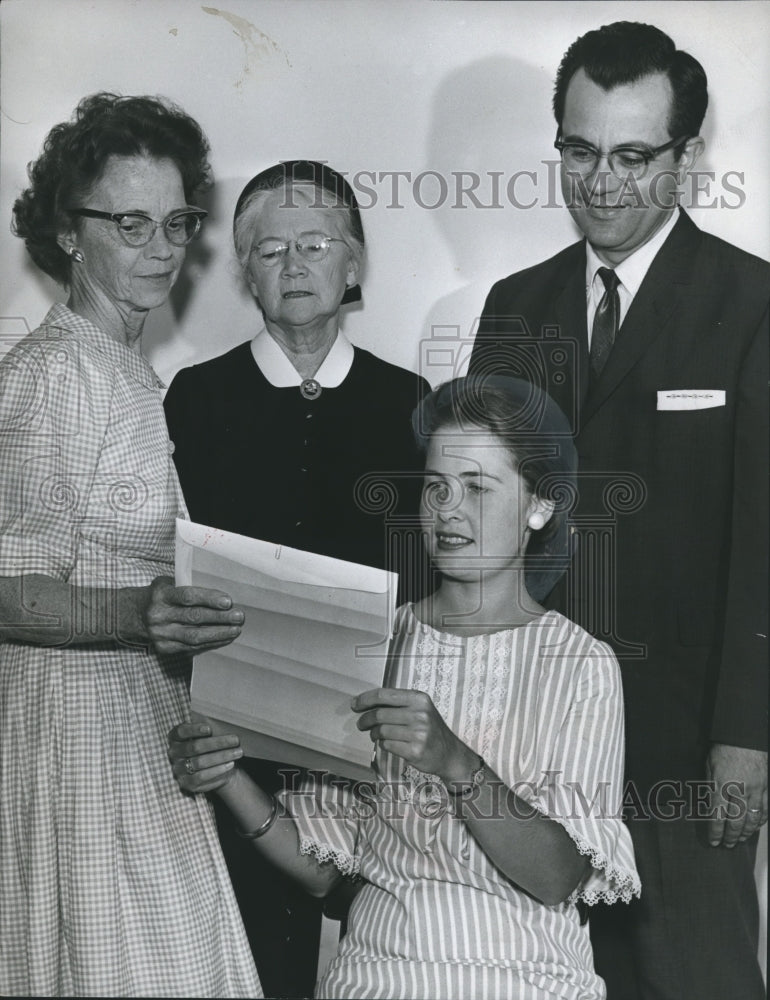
316	634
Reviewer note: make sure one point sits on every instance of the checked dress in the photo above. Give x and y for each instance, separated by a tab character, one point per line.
112	882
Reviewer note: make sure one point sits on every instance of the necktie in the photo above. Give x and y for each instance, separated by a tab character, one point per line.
606	321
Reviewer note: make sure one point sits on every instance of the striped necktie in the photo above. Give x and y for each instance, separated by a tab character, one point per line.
606	321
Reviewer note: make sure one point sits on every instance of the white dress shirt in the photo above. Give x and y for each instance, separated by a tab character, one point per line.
630	272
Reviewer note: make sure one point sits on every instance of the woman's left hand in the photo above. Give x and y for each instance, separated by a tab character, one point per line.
408	724
202	762
188	620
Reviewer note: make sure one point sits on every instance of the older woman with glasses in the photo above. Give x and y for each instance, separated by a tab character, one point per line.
112	883
282	438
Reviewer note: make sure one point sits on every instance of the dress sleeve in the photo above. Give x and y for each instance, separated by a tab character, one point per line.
327	812
583	785
53	418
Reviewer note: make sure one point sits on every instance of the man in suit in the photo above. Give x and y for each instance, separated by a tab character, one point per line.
653	337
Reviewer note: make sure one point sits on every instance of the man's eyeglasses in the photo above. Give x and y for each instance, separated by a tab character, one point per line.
136	229
311	246
582	158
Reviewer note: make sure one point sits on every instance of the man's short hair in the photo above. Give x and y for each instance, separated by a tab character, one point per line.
626	51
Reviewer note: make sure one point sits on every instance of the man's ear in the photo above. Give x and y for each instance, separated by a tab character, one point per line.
692	152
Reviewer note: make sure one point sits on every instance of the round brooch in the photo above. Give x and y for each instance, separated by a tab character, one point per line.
310	388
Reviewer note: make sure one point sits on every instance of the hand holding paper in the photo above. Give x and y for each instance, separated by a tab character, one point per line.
407	723
188	619
315	634
200	761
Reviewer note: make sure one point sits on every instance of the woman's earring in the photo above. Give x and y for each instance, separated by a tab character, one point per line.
535	521
76	254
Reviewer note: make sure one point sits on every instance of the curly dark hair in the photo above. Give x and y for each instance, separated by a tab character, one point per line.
537	436
75	154
626	51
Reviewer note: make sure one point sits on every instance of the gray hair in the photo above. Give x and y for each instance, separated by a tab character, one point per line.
248	214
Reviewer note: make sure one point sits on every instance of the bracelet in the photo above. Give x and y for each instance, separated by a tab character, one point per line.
262	830
464	789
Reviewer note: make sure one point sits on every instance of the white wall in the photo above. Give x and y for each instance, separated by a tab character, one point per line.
368	85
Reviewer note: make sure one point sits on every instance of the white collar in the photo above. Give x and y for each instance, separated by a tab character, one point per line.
632	270
281	373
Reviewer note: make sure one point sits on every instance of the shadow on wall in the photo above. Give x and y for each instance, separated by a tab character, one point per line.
500	208
48	289
171	329
197	262
491	139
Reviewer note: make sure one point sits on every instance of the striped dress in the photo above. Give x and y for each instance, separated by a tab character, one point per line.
436	919
112	882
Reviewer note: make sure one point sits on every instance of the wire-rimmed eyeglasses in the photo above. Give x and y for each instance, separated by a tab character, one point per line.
583	158
137	229
312	246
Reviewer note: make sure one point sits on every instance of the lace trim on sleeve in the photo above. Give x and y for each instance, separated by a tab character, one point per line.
623	884
620	883
323	853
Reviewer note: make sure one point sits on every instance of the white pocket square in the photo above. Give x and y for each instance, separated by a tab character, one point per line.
690	399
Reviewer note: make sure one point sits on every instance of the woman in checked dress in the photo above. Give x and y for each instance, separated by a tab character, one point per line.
112	882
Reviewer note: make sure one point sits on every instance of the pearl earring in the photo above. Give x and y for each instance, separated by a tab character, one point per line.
535	521
76	255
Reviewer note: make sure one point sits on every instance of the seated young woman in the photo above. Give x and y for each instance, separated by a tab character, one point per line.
494	812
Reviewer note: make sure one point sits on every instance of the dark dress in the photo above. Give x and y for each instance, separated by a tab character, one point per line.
338	475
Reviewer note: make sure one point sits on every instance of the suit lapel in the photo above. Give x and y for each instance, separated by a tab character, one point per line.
570	315
652	312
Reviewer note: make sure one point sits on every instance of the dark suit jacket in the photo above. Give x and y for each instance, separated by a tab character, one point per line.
671	560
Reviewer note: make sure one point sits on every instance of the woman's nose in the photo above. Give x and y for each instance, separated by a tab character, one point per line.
159	246
450	509
293	261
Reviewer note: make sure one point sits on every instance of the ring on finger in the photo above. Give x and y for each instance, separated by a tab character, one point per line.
189	765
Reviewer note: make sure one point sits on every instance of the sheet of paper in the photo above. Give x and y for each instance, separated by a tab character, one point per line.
316	634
